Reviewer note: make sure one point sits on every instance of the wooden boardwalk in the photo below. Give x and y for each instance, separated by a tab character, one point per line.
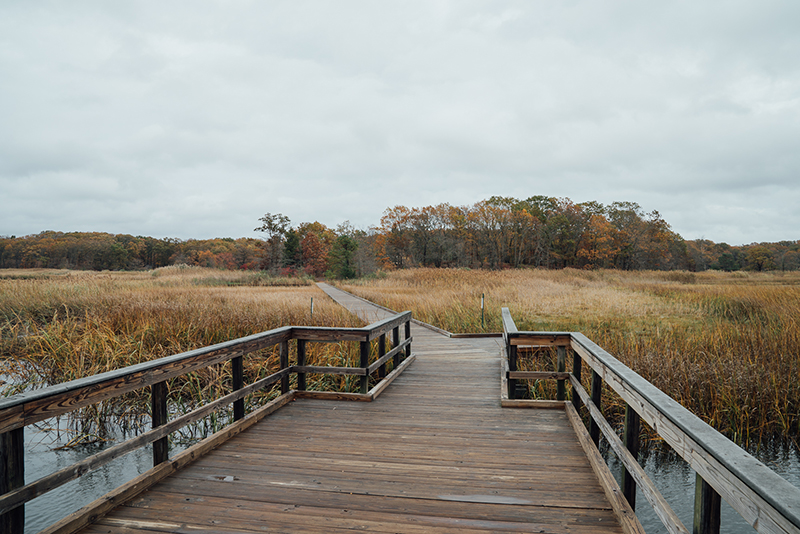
434	453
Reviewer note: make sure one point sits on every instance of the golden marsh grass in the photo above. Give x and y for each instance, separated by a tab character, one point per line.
57	326
725	345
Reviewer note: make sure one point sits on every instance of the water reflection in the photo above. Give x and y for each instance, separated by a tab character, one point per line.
44	455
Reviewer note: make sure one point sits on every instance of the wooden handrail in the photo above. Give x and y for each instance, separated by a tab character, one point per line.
508	323
764	499
27	408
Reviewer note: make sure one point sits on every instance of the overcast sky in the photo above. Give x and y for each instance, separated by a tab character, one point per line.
192	119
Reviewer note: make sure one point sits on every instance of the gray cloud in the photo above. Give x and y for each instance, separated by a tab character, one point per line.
193	119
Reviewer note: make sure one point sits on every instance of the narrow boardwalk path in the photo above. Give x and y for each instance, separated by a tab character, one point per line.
434	453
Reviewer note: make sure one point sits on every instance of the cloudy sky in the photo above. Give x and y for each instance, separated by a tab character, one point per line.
192	119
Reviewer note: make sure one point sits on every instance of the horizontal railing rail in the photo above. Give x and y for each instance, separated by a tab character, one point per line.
19	411
765	500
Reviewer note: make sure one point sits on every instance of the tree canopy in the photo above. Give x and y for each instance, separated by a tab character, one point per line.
500	232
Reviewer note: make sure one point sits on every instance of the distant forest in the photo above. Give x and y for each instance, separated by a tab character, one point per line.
497	233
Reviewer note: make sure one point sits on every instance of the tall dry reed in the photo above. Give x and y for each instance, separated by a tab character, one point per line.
726	346
60	326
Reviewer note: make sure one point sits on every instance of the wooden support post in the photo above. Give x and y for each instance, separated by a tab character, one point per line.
237	373
597	394
577	364
512	366
158	414
381	353
408	336
301	360
630	439
561	366
284	361
395	343
365	348
12	476
706	508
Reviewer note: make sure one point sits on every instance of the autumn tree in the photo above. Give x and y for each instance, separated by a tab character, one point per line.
316	241
759	258
275	226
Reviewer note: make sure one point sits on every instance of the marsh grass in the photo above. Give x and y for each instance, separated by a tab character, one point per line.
725	345
57	326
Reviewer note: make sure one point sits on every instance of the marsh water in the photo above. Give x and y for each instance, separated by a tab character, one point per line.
676	482
45	453
668	471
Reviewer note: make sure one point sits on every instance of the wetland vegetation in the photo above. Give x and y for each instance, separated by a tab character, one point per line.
725	345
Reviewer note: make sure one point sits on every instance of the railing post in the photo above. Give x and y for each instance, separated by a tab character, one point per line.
512	366
237	374
365	348
631	442
597	394
284	361
12	476
577	364
408	336
706	508
158	407
381	353
561	366
395	343
301	360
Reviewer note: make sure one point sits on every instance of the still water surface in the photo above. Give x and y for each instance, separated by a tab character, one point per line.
668	471
676	480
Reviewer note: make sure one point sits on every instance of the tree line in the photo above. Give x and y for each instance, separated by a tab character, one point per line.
500	232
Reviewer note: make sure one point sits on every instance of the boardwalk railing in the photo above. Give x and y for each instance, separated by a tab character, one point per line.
764	499
28	408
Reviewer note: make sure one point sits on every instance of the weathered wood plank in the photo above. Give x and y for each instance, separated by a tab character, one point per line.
539	375
321	369
381	362
333	395
540	339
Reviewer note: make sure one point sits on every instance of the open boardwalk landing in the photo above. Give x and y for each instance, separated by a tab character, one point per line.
434	453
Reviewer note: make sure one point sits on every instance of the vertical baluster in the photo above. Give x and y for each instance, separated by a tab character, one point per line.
237	374
706	508
512	366
561	366
301	360
630	439
284	362
12	476
365	348
158	407
395	343
597	392
381	354
408	336
577	364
